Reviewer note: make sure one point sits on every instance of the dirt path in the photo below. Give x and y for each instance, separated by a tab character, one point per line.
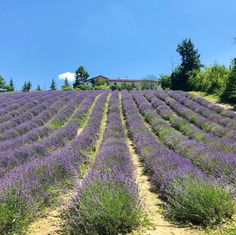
153	204
50	223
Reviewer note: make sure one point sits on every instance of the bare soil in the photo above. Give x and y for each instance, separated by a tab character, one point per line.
50	223
153	205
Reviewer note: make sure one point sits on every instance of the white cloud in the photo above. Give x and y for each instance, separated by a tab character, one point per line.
70	76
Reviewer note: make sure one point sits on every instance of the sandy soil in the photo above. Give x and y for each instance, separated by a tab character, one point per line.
153	205
50	223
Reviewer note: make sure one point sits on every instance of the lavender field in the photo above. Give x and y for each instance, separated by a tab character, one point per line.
79	143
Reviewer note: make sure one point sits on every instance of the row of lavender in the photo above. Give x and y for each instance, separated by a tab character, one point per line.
191	194
41	126
172	110
11	102
210	105
38	116
19	106
227	122
206	119
210	160
108	198
47	143
28	188
27	103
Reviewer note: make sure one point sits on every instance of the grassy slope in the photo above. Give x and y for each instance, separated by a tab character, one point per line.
213	98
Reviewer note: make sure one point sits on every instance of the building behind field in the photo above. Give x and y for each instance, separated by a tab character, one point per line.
120	81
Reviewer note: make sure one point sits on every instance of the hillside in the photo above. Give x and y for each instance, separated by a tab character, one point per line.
147	162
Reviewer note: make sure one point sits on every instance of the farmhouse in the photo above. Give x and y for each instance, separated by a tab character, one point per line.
119	81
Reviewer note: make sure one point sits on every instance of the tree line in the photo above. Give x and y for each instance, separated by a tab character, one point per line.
191	75
81	76
81	82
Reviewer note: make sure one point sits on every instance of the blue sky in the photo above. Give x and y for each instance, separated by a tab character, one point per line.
120	38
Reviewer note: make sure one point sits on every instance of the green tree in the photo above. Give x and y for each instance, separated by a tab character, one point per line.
11	87
53	86
81	76
211	80
2	82
66	86
229	93
190	60
165	81
38	88
27	86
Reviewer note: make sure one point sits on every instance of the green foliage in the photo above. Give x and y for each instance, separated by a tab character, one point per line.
211	80
11	87
165	81
229	93
103	208
145	85
2	82
27	86
14	214
102	87
38	88
198	202
190	60
123	86
53	86
66	86
81	76
99	82
84	87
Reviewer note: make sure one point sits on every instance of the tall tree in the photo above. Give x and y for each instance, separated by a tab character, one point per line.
66	85
11	86
190	60
27	86
53	85
38	88
230	90
81	76
2	82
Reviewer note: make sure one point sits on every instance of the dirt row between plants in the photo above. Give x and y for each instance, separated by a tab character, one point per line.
153	204
50	223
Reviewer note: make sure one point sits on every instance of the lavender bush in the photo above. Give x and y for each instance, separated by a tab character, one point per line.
188	129
221	165
30	187
173	175
210	105
108	200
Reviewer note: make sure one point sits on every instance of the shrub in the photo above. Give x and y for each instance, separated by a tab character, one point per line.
85	87
229	93
211	80
14	214
101	87
103	208
165	81
199	202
